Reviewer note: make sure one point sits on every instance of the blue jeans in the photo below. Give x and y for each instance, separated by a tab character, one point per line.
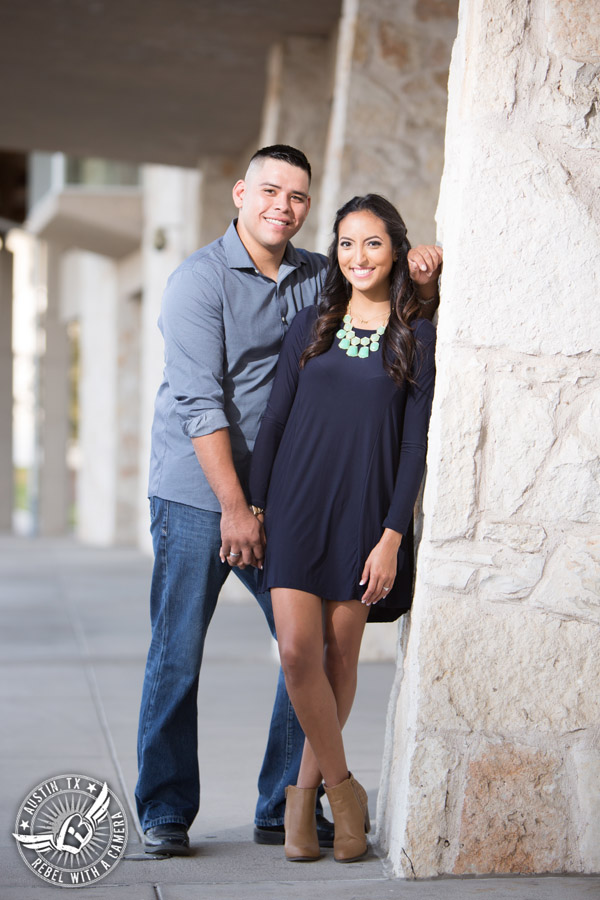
187	578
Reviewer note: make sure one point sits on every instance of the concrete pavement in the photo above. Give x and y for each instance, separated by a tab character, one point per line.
73	637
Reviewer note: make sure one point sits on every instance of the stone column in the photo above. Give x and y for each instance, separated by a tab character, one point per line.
171	226
127	413
6	389
104	296
386	132
492	761
297	107
54	491
93	279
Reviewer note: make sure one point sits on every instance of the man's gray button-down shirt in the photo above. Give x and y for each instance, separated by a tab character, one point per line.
223	323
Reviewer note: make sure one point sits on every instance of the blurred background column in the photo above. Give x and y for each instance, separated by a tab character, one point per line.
6	383
296	108
171	200
54	497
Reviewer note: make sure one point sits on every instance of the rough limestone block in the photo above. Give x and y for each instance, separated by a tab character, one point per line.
499	669
454	437
514	579
499	289
520	433
515	813
571	583
444	573
522	537
568	489
498	572
428	833
513	575
573	29
569	486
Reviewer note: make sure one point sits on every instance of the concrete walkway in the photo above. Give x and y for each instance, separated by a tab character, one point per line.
73	638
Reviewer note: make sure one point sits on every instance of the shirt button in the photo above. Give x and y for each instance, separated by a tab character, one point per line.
284	320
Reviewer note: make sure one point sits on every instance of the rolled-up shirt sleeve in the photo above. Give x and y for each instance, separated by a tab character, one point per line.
191	322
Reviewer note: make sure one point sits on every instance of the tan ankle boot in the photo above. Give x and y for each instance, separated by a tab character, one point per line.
349	805
300	823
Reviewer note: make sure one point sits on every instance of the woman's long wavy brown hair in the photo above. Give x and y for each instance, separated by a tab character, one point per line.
398	344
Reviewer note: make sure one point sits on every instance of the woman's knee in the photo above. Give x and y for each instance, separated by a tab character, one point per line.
297	661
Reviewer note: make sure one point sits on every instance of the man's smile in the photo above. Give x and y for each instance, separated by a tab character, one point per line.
282	223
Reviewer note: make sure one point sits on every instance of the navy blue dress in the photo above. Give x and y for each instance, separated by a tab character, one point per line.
339	456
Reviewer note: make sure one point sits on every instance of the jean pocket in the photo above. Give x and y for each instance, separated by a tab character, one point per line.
159	515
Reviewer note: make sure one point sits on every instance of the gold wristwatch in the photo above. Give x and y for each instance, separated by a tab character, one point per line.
257	511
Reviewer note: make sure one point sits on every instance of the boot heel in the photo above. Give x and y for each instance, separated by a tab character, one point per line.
348	802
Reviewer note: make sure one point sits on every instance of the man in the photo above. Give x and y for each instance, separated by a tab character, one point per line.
224	314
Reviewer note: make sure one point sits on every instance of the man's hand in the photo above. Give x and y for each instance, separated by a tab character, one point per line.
242	538
242	535
424	264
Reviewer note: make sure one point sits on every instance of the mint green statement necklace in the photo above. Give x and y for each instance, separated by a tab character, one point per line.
355	346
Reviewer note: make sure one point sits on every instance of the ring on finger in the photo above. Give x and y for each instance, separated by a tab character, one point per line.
234	555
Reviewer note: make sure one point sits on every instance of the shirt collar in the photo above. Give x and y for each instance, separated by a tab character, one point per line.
239	258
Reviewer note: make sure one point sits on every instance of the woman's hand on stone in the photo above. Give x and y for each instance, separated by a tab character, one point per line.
425	263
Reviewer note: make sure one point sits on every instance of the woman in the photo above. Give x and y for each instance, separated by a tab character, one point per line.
337	466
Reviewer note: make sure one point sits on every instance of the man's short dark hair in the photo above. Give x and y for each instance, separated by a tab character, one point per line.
284	153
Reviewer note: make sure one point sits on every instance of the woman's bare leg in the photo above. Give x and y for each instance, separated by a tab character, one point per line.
299	624
309	661
343	627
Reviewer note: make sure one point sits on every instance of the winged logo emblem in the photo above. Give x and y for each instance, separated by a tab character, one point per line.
75	832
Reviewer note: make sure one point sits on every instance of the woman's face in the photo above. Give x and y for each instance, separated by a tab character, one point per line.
365	253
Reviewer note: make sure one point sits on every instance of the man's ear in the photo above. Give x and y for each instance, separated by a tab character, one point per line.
239	189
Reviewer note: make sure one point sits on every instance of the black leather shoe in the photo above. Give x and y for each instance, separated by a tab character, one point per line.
171	839
275	834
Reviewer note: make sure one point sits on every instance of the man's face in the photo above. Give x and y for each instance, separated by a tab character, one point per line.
273	202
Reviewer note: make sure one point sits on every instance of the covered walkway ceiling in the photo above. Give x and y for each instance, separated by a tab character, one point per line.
144	80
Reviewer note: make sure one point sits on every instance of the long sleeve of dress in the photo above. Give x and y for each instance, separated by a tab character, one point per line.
413	446
280	403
